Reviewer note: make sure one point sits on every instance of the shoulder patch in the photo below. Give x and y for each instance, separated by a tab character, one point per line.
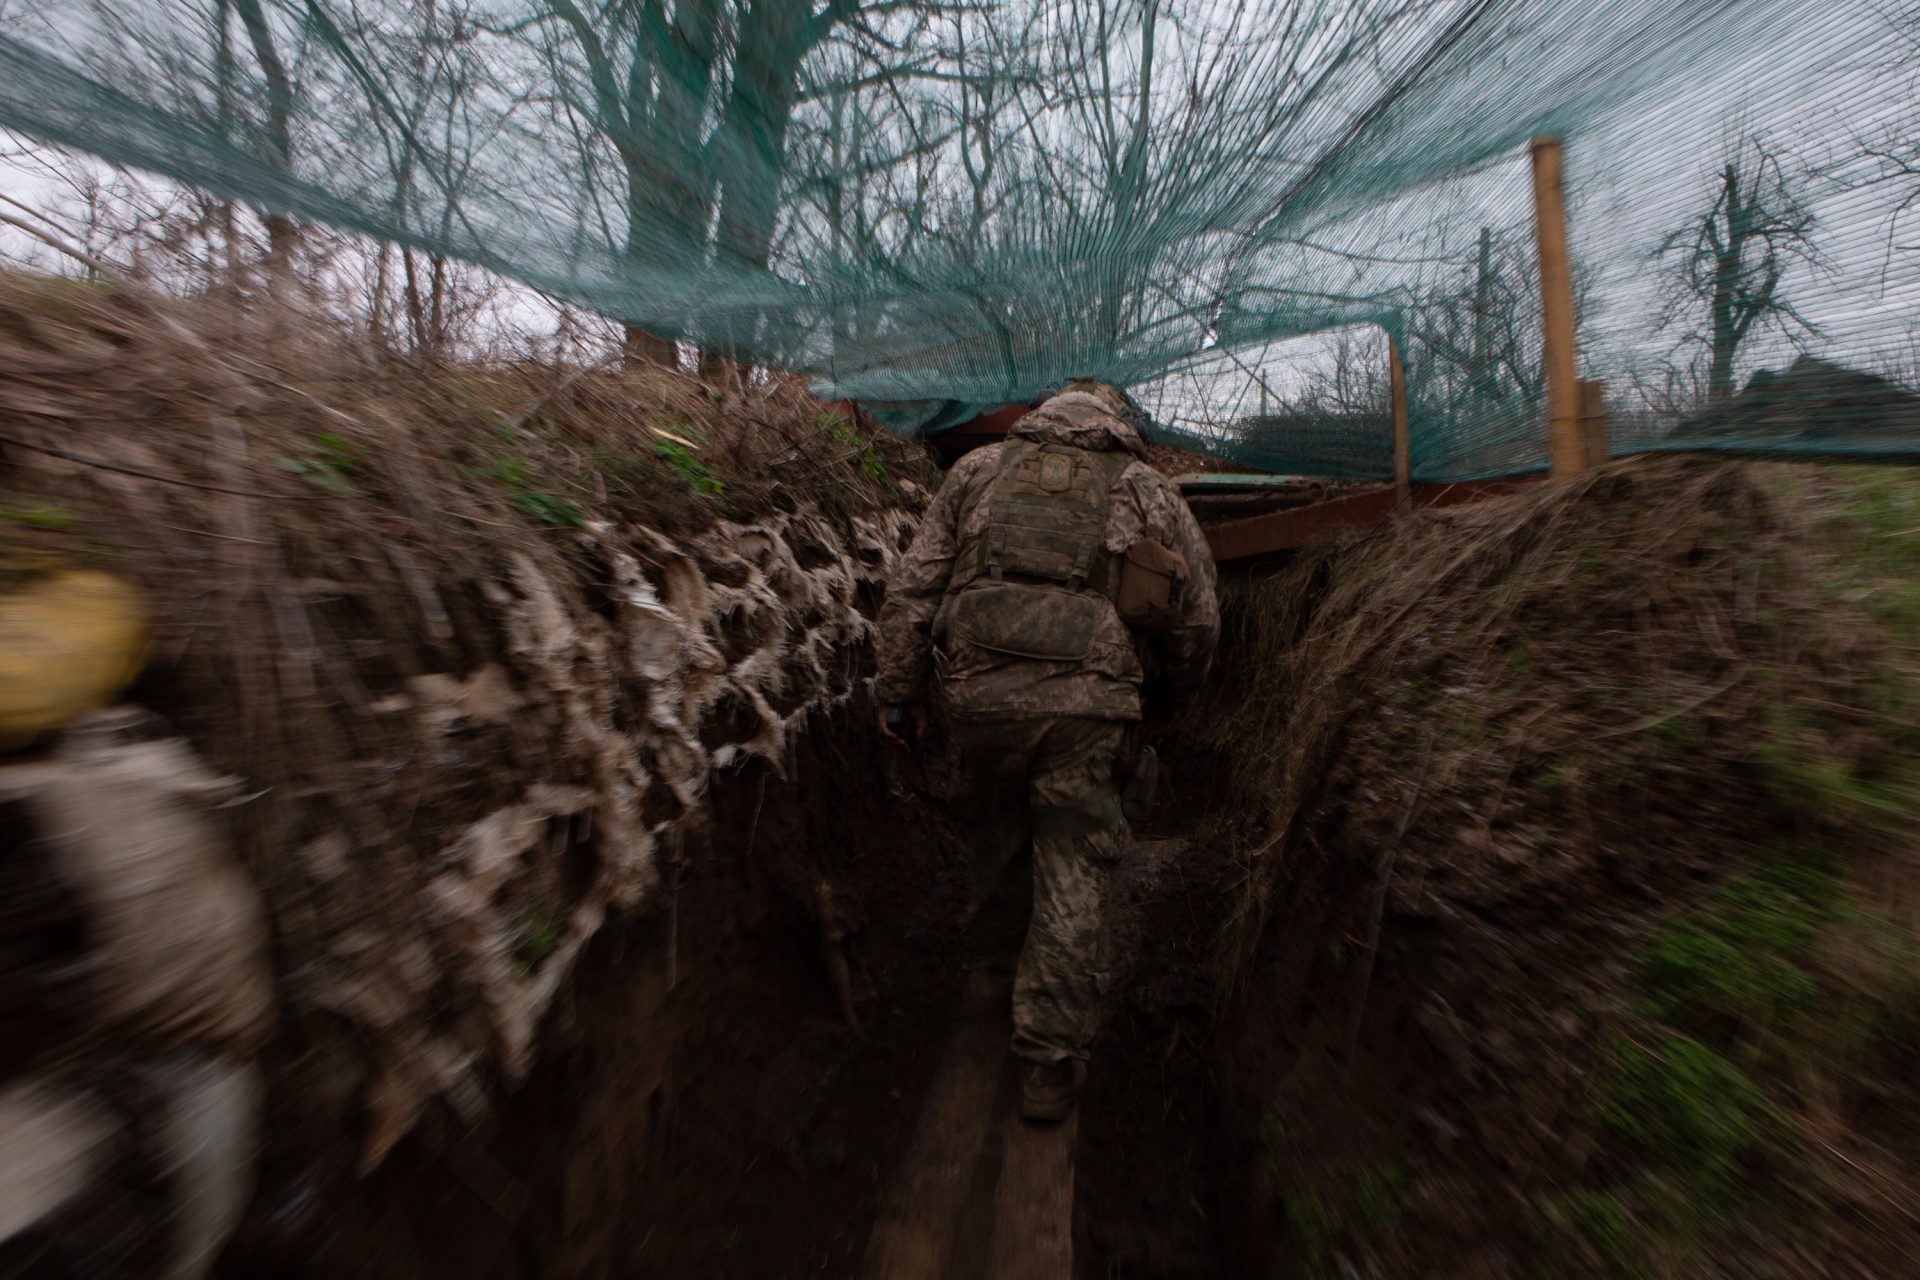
1056	473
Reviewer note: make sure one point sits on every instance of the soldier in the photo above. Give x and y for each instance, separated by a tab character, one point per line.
1049	574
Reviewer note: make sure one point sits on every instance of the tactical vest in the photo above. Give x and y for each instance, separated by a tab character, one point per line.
1040	576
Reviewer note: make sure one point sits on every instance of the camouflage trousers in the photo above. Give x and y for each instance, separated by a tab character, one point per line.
1051	781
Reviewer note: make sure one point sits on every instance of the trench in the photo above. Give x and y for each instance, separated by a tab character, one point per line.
602	937
701	1106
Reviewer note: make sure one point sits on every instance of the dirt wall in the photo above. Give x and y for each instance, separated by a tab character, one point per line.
455	679
1542	909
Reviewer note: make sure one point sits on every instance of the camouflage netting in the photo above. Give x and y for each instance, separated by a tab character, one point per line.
947	206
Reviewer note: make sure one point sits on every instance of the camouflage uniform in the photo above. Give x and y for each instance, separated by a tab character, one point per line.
1040	722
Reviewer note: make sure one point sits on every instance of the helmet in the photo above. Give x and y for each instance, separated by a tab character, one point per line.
1114	399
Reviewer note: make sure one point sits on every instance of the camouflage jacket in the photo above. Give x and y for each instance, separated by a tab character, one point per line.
916	654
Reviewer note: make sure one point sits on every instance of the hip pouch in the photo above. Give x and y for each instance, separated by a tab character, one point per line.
1152	578
1026	621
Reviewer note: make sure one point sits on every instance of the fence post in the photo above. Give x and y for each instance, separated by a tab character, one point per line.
1402	445
1594	421
1566	446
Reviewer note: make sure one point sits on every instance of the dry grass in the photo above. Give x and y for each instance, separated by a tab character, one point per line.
1647	607
314	523
1625	772
398	601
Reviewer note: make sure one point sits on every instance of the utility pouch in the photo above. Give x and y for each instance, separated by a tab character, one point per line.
1152	578
1025	621
1139	773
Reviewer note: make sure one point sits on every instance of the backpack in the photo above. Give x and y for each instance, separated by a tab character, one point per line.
1041	578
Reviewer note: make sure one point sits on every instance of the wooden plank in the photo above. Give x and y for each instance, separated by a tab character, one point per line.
1402	442
913	1231
1033	1205
1298	526
1594	425
1205	482
1566	446
994	422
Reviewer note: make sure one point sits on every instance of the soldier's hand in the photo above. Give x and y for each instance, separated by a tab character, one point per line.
904	726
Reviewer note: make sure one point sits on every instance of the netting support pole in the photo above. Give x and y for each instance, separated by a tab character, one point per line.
1402	445
1566	442
1593	421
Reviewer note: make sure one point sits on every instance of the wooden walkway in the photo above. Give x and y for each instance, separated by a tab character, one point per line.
980	1194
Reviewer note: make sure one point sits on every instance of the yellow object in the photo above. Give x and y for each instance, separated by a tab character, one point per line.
70	640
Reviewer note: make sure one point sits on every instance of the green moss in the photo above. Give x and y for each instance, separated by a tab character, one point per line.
843	433
1700	1126
1309	1225
684	463
1675	735
1378	1195
328	462
528	495
1551	773
1875	525
545	506
47	517
539	938
1600	1219
1807	771
1734	966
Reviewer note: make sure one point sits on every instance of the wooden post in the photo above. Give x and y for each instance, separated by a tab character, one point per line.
1402	445
1593	421
1566	449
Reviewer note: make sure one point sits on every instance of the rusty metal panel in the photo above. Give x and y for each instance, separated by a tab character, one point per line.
1295	528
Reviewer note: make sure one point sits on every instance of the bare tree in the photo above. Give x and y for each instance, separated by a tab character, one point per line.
1473	339
1731	260
687	108
1886	155
282	234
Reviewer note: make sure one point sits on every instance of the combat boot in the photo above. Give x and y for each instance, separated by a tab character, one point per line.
1048	1093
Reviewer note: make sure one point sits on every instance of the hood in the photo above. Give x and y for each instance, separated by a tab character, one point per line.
1081	422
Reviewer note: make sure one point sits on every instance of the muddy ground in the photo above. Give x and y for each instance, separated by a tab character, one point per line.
702	1107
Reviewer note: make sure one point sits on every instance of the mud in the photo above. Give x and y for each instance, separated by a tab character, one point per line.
701	1107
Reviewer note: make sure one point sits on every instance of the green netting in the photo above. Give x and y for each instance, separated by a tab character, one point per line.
945	206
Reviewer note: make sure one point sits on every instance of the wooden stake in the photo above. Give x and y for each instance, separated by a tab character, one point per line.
1402	445
1566	447
1593	421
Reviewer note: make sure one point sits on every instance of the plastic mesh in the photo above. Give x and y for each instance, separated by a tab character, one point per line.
949	206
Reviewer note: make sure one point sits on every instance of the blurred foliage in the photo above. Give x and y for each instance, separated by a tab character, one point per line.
1736	964
683	462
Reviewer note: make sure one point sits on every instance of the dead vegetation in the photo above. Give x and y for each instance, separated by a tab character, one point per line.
1569	915
472	639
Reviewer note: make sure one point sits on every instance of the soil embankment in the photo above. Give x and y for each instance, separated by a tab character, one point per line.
1548	908
525	709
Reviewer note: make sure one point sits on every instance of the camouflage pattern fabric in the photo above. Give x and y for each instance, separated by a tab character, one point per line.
918	653
1052	781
